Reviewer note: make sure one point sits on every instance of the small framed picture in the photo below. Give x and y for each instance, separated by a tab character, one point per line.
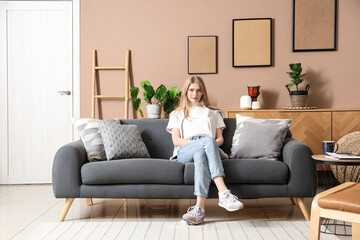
252	42
314	25
202	54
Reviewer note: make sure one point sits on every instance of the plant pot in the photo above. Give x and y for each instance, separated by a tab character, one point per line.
298	98
153	110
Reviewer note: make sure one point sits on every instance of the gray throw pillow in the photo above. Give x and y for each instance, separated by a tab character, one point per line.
261	141
122	141
240	120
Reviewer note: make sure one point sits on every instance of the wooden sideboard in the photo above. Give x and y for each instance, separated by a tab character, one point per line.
311	126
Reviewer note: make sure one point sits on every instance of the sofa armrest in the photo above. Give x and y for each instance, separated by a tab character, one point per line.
66	173
303	174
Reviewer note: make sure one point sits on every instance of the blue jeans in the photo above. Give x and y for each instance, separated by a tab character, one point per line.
204	152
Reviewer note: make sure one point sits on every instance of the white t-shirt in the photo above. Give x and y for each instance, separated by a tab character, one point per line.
202	121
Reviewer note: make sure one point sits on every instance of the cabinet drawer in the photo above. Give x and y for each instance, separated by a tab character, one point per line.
310	127
344	123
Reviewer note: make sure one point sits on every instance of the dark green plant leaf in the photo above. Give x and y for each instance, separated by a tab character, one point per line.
173	92
172	99
134	91
297	81
168	106
136	104
148	92
160	93
290	85
142	83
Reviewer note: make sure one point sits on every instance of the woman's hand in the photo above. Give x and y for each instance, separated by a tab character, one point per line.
219	137
177	140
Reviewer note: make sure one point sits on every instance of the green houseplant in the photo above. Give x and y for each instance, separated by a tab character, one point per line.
171	100
153	108
298	97
166	98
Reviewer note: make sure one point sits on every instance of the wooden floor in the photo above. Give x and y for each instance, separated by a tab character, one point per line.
24	207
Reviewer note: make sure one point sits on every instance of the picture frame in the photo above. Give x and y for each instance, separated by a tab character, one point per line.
252	42
202	54
314	25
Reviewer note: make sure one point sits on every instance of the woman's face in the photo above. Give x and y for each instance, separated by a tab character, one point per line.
194	93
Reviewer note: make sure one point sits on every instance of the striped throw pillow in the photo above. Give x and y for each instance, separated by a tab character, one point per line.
88	129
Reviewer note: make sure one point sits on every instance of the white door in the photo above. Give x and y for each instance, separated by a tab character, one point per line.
36	87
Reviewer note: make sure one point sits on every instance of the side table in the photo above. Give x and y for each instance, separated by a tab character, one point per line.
346	170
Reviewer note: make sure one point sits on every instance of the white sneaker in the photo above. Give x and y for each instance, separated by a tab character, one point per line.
229	201
195	215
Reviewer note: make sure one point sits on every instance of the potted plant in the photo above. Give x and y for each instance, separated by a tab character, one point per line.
167	98
153	109
298	97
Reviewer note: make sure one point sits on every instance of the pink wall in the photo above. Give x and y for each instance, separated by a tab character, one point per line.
156	33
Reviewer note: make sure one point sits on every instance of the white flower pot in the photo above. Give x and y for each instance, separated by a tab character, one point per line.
153	110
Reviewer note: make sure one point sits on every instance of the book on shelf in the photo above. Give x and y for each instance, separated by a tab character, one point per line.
342	155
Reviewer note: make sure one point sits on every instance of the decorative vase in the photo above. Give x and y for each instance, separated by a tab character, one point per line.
153	110
245	102
298	98
254	92
255	105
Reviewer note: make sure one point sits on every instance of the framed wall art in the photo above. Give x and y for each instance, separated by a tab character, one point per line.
314	25
252	42
202	54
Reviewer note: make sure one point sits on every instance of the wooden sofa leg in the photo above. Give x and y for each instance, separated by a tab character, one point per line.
293	202
89	202
66	208
303	208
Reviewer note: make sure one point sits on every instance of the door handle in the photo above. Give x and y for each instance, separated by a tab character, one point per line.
64	92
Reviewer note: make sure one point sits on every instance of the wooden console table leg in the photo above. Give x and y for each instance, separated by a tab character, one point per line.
303	208
89	202
66	208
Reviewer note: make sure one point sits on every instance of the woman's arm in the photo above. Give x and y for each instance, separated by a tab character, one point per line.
177	140
219	137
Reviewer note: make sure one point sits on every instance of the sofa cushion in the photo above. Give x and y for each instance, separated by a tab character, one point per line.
122	141
88	129
153	132
135	170
250	171
229	132
261	141
240	121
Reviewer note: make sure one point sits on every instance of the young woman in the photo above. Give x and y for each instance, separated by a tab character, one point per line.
196	132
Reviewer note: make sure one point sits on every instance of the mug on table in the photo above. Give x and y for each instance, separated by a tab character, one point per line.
329	146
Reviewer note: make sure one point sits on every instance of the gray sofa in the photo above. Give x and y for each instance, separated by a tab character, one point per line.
293	175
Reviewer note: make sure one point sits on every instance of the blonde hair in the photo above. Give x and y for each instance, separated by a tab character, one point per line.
185	104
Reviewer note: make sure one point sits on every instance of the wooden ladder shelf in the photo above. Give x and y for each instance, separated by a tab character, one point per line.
95	96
